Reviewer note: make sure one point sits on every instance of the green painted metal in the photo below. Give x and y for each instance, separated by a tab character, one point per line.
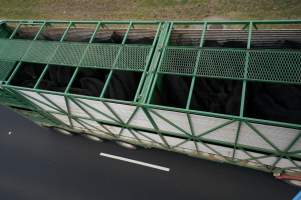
7	98
5	68
36	117
32	111
246	67
140	121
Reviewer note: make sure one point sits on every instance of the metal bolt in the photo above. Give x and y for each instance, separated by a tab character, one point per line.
139	97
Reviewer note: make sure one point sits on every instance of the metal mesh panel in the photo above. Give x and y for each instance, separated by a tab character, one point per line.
40	52
104	56
267	65
68	54
271	65
101	56
179	60
5	68
13	49
132	57
222	63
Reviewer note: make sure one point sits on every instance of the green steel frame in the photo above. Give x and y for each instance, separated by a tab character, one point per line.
262	144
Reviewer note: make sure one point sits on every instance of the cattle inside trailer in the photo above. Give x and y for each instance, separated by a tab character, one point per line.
230	94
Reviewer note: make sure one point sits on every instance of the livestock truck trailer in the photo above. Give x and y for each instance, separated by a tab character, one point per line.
228	91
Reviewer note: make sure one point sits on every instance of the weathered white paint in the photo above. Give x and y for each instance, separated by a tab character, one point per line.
57	100
32	96
140	120
97	105
279	136
62	118
179	119
124	111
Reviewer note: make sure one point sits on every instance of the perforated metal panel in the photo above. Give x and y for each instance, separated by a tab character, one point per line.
124	57
13	49
40	52
209	62
266	65
269	65
133	58
222	63
5	68
101	56
68	54
179	60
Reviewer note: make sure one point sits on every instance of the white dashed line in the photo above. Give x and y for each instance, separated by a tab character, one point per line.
135	162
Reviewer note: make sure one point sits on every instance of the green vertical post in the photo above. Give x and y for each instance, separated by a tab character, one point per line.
148	61
196	65
160	48
244	86
236	139
154	62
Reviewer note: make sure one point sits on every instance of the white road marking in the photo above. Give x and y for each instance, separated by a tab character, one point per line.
135	162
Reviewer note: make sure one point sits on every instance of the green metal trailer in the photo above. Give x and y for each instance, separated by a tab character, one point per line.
173	49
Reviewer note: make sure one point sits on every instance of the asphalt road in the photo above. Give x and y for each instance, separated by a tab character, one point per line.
37	163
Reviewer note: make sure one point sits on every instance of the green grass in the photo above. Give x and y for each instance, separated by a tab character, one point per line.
150	9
